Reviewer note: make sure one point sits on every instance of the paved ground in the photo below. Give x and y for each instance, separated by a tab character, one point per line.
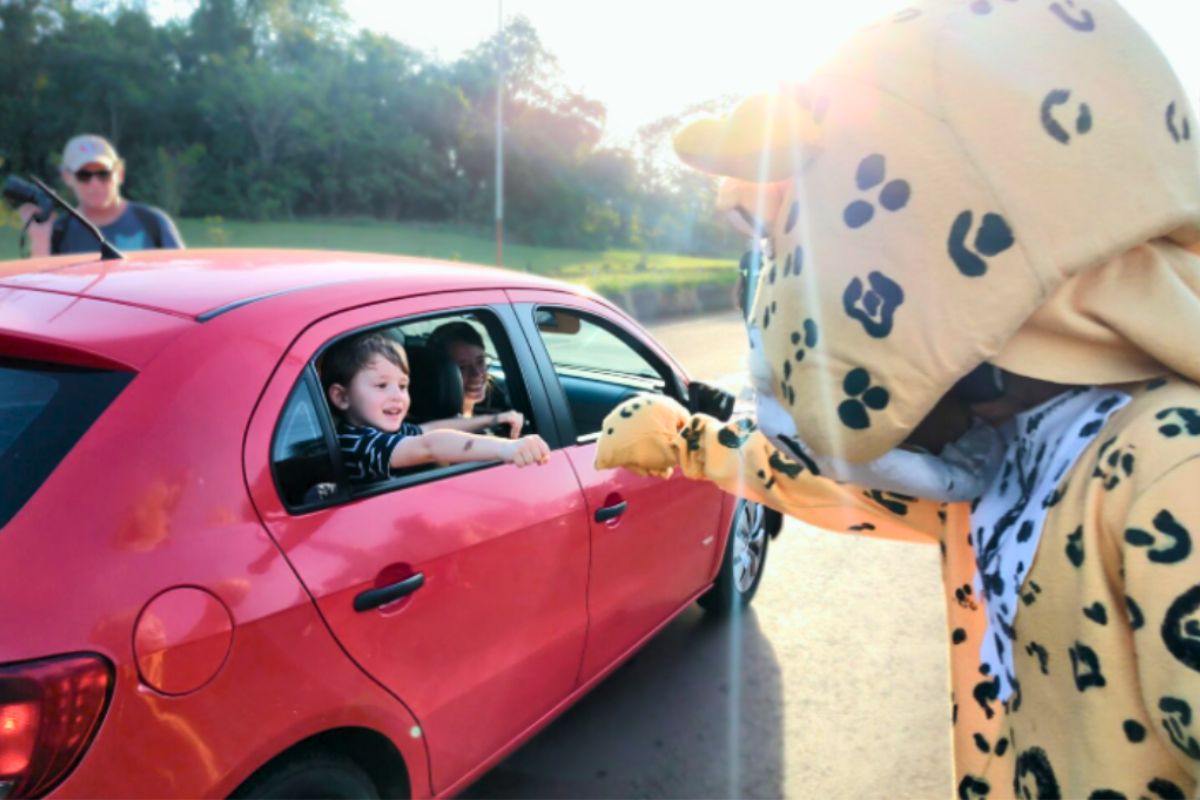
834	685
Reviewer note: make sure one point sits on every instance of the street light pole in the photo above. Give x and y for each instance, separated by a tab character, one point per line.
500	138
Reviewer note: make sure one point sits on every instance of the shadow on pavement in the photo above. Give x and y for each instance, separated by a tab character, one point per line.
697	713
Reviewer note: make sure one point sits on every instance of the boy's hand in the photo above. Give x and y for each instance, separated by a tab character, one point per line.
515	421
527	450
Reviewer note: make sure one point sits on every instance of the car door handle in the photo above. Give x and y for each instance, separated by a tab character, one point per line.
381	596
611	512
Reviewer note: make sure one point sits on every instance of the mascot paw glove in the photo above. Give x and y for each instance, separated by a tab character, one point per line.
642	435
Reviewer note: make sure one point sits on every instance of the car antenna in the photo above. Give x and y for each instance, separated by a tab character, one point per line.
107	251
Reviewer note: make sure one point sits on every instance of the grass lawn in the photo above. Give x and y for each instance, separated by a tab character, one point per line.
607	271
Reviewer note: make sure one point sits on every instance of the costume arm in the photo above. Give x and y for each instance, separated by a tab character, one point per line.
652	435
1160	549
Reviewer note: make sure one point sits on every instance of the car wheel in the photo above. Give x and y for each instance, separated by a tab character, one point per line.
309	777
743	563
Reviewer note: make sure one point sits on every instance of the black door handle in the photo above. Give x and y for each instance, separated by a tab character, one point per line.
611	512
374	598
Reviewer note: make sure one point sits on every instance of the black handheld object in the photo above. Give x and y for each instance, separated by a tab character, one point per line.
704	398
18	193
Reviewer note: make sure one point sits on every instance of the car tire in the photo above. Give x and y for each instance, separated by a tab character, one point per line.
744	561
311	776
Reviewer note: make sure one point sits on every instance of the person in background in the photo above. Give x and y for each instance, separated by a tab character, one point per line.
92	170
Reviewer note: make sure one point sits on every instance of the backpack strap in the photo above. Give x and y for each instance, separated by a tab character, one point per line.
58	233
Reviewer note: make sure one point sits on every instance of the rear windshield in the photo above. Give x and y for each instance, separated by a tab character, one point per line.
44	409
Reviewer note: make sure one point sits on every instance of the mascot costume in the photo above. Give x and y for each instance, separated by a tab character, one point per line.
978	324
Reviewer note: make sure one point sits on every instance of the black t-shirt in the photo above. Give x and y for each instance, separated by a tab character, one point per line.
367	452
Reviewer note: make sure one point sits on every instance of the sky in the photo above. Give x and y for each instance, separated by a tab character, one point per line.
647	58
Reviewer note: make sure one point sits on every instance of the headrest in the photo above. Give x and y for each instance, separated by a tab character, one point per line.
435	386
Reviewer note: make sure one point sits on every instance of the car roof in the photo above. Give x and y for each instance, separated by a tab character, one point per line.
199	284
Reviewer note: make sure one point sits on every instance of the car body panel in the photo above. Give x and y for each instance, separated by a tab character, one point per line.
493	639
651	559
171	487
192	283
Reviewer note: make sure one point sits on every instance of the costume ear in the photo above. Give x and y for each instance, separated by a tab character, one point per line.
768	137
751	207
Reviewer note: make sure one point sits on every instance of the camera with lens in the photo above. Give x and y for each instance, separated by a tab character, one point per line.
18	192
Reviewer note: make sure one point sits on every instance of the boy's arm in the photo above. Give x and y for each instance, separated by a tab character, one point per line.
515	420
457	447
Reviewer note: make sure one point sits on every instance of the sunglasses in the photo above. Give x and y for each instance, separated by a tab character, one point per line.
85	175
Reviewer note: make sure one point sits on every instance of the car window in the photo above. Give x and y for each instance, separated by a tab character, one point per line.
445	354
301	456
597	367
44	409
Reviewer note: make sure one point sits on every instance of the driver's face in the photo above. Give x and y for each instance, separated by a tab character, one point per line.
96	186
472	362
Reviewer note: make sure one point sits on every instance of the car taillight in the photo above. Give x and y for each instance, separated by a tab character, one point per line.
49	711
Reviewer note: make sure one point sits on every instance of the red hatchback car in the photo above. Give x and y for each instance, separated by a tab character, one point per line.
199	604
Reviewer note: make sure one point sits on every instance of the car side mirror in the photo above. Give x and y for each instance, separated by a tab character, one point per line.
704	398
552	321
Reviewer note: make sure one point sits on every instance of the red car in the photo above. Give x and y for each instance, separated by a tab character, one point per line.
196	602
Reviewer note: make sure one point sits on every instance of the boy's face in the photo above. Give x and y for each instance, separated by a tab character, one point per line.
377	396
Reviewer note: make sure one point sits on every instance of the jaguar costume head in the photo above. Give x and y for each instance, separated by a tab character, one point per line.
966	182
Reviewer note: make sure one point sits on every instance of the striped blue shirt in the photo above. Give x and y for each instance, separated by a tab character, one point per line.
367	452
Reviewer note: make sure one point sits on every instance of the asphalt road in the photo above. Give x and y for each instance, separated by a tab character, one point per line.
833	685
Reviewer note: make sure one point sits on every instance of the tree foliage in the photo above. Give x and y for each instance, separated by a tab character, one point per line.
269	109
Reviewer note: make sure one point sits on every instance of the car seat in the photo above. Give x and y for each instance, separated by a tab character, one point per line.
435	385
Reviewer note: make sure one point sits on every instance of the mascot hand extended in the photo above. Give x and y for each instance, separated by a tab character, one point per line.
641	435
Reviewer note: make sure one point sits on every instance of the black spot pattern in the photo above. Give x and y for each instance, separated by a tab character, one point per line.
1096	613
1082	122
1185	419
1079	19
993	237
875	307
862	526
1136	618
959	636
894	195
1181	628
736	434
1043	657
1085	666
1177	720
973	788
1075	547
892	501
986	693
793	215
806	340
1174	546
861	396
1166	790
1134	730
1114	467
1179	127
1106	794
1034	778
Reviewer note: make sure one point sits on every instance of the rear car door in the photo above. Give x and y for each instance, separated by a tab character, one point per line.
655	543
488	636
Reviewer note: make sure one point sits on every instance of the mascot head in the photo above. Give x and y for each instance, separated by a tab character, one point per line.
1003	182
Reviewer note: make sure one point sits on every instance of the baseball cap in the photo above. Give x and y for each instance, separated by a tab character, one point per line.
89	149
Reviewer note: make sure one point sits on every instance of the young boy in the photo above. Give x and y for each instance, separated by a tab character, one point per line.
366	379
